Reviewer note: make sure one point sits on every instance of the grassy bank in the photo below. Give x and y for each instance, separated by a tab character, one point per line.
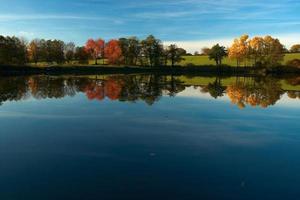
204	60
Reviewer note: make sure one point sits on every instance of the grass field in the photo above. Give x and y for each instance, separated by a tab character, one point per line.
204	60
193	60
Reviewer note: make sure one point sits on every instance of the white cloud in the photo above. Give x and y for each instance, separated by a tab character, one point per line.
26	34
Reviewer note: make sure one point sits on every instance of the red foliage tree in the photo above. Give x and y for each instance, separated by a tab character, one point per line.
113	52
95	48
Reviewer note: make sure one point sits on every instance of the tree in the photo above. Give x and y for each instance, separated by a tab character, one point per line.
255	51
124	45
134	49
69	51
56	51
81	55
130	49
273	51
152	50
113	52
95	48
264	51
12	50
205	51
175	54
295	48
33	51
217	53
196	53
46	51
239	49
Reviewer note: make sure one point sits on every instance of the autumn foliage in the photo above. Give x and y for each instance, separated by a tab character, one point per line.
261	94
110	88
95	48
113	52
261	51
239	49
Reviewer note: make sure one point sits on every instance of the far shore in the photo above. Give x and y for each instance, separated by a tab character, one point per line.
7	70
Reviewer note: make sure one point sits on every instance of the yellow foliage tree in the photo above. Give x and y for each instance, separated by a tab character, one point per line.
33	51
265	51
256	46
239	49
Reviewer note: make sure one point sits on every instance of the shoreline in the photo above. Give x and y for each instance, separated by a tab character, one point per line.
12	70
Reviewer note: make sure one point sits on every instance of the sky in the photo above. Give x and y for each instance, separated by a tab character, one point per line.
191	24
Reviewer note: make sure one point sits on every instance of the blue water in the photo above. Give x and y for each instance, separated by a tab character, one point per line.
178	148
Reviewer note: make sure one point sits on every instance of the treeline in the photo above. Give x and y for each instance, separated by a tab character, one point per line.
258	51
125	51
12	50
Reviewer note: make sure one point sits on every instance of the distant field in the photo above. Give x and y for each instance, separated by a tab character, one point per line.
195	60
204	60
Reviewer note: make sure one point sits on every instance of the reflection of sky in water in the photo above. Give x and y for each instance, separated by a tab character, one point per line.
74	148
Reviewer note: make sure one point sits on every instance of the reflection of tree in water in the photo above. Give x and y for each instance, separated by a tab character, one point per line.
99	89
13	89
215	89
260	92
294	94
293	81
148	88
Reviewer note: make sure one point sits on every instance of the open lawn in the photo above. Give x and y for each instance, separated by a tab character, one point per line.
189	60
204	60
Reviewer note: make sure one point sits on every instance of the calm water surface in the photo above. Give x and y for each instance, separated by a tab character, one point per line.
149	137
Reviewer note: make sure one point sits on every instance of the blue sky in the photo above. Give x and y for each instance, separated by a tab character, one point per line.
190	23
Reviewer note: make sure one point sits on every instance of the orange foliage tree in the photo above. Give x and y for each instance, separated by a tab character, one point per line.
95	48
256	46
33	51
263	51
239	49
113	52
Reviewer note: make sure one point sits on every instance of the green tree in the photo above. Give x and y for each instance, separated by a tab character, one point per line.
175	54
12	50
152	50
81	55
130	49
217	53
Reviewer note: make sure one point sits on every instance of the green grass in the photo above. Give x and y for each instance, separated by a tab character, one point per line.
204	60
194	60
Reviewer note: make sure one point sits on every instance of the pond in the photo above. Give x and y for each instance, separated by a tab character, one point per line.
149	137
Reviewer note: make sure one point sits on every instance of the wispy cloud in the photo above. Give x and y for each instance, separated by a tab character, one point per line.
179	20
16	17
